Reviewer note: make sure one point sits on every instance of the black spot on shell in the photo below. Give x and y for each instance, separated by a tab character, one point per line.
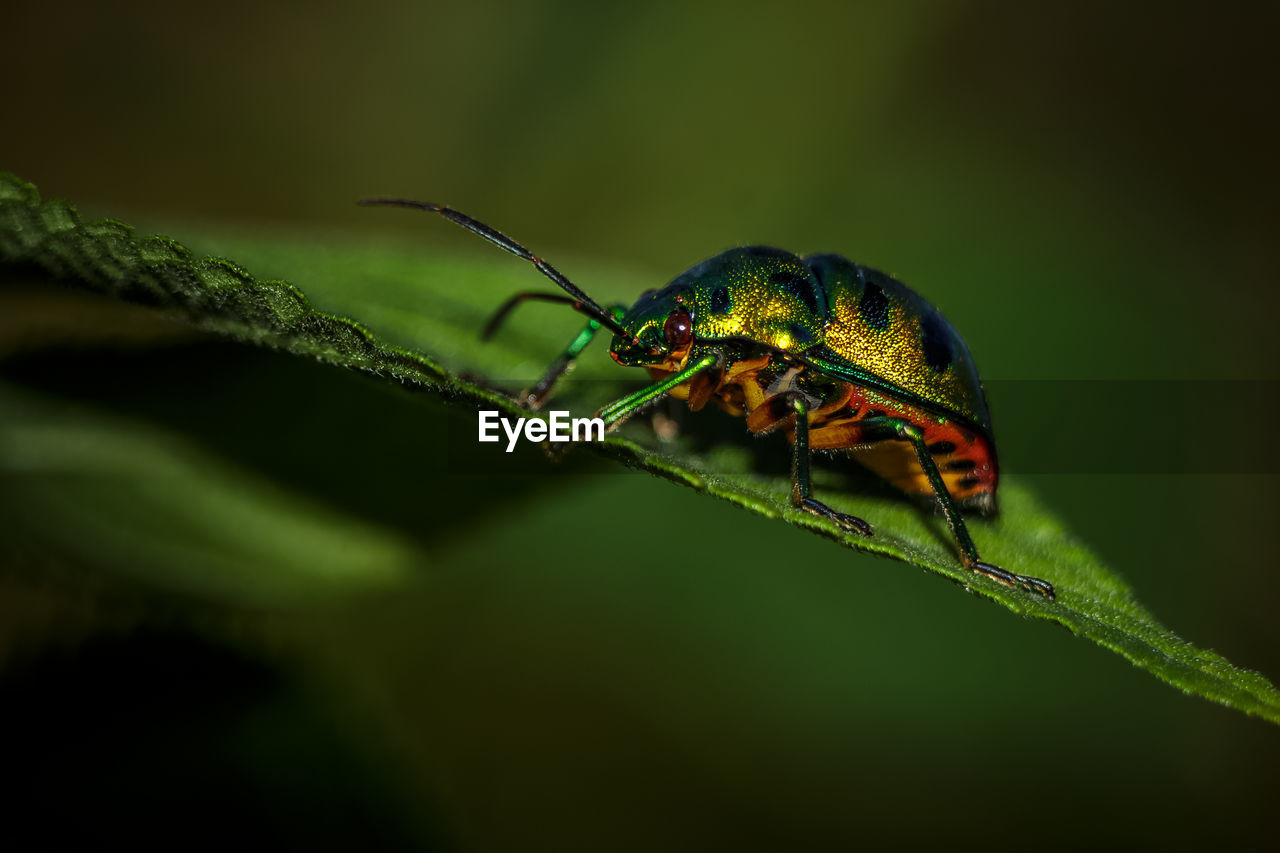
798	286
942	448
874	307
721	303
936	342
969	482
962	465
875	413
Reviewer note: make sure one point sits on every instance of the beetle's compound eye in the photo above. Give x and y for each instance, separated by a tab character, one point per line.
678	329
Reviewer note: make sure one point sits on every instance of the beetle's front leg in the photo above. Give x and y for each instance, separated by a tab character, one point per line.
534	397
618	411
801	489
615	413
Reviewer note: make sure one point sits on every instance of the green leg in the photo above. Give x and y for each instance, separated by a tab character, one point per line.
801	490
534	397
900	430
619	410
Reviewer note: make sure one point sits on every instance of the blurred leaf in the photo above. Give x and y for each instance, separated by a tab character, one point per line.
382	285
108	492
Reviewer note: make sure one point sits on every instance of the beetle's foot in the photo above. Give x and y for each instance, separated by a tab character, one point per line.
849	522
1031	584
530	399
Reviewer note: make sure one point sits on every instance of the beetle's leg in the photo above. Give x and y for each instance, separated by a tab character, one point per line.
900	430
619	410
615	413
801	490
534	397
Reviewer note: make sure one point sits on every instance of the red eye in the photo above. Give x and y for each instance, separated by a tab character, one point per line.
678	329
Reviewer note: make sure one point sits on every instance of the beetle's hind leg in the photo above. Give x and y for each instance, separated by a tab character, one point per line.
897	429
801	488
1036	585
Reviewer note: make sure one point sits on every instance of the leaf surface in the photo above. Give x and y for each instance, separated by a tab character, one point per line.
417	319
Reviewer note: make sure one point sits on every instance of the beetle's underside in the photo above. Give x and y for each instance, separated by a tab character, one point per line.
754	388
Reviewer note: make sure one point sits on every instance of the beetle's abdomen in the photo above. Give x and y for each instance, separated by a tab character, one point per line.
882	326
964	456
755	389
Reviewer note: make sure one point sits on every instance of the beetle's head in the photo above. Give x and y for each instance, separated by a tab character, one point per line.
662	322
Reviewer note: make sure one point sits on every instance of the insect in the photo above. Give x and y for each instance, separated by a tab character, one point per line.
840	356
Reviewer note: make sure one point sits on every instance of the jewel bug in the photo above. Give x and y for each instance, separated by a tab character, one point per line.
840	356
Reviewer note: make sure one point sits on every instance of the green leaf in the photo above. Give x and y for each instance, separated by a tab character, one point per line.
426	310
85	484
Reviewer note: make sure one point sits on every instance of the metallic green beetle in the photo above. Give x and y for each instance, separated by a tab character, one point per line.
838	355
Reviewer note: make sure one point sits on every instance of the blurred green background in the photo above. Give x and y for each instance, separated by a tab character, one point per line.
1088	192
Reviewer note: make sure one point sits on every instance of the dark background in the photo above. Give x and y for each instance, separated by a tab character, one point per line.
1088	192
